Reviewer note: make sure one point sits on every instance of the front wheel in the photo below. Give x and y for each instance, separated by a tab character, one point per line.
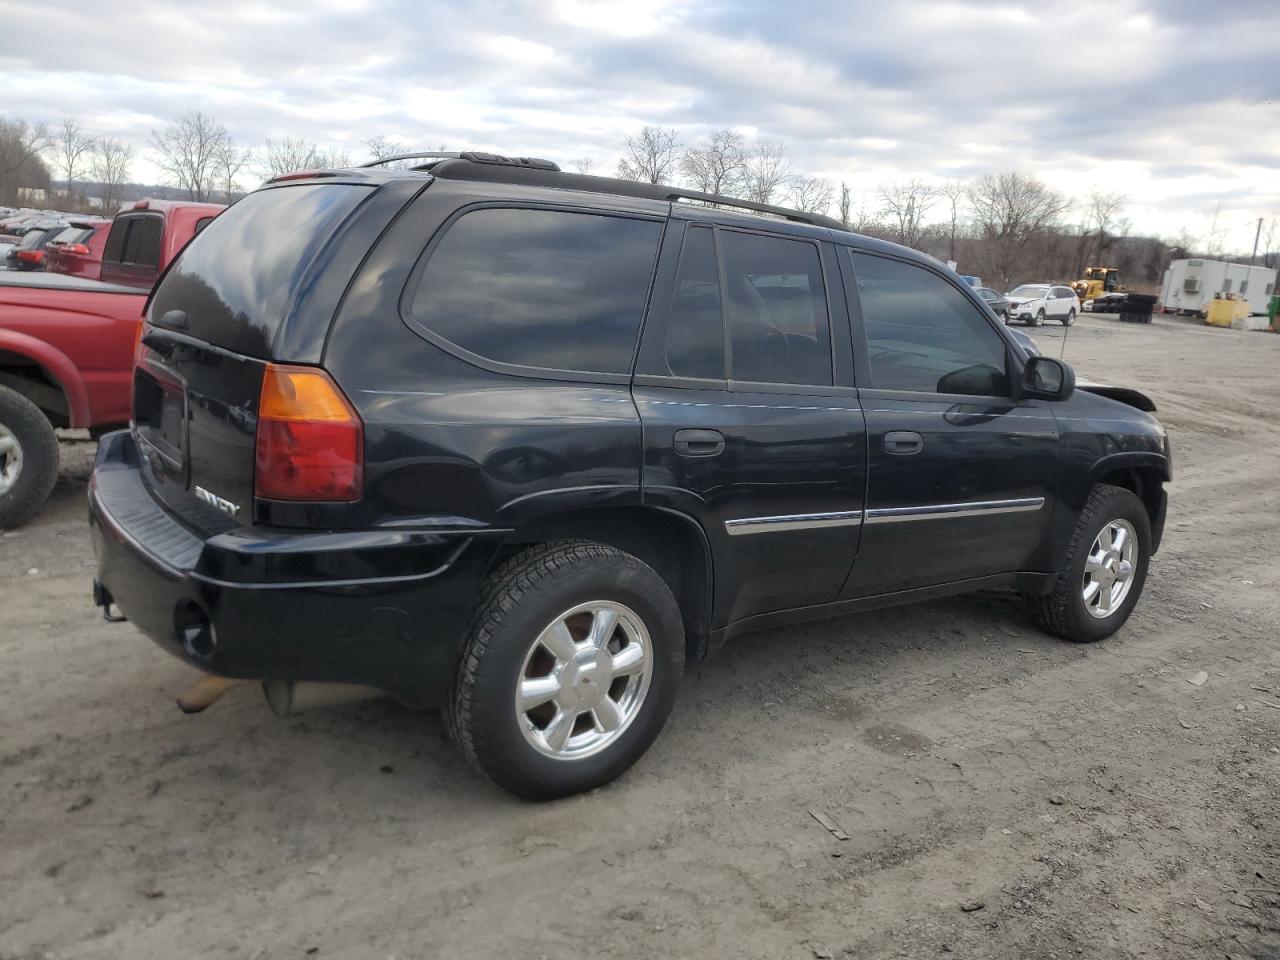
570	670
1102	574
1039	320
28	458
1070	318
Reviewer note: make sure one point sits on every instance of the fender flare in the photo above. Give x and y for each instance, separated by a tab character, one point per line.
1132	458
58	367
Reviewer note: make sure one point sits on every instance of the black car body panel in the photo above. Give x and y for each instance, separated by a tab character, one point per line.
762	501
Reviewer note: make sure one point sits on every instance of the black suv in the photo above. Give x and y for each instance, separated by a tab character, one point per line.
487	435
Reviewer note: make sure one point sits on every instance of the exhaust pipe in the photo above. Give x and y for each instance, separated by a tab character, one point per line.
205	691
288	697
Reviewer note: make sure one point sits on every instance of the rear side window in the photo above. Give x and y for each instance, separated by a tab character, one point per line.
236	279
776	306
923	334
540	288
695	332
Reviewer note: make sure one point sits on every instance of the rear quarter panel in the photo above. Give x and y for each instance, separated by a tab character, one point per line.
84	340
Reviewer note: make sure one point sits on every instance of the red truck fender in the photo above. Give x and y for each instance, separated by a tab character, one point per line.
57	367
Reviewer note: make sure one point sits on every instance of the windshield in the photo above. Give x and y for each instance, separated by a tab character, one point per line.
1030	290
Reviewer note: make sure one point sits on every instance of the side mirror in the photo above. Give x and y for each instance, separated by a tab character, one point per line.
1046	378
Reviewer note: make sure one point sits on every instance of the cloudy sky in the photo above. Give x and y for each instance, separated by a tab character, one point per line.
1173	102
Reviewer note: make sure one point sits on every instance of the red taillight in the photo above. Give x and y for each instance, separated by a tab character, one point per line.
310	440
77	248
30	256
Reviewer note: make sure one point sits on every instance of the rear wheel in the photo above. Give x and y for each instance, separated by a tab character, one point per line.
570	670
28	458
1101	577
1070	318
1039	320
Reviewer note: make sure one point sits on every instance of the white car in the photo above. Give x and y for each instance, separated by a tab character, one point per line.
1033	303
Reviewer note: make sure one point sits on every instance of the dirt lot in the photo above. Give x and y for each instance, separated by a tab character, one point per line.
1092	800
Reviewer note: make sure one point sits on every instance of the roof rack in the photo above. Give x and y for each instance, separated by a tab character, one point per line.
473	156
543	173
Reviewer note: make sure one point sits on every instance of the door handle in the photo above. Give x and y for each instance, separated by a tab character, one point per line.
698	443
903	442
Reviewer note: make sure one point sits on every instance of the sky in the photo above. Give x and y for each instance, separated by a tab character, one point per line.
1173	103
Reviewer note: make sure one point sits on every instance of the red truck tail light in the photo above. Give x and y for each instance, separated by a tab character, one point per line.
310	442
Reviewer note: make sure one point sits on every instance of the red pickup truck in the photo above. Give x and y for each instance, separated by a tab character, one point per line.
66	347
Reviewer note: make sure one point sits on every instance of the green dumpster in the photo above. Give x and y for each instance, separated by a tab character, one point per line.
1273	311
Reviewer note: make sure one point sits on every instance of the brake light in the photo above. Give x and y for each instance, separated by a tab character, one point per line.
310	442
77	248
30	256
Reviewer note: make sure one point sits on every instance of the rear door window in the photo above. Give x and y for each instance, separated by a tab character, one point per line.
694	344
142	243
776	307
550	289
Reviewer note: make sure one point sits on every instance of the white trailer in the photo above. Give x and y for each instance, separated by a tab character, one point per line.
1190	285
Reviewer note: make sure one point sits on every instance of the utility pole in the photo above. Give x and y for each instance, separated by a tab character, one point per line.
1257	234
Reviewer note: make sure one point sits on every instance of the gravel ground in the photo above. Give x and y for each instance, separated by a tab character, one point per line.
1005	794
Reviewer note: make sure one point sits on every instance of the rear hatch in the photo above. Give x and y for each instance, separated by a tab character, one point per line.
214	322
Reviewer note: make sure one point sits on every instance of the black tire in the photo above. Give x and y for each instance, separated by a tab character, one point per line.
1062	611
37	469
1039	318
1070	318
524	597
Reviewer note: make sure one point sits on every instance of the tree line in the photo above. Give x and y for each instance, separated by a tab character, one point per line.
1007	227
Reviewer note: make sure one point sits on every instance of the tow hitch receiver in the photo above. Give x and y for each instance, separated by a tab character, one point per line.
102	598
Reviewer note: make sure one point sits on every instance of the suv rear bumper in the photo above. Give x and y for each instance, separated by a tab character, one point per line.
384	608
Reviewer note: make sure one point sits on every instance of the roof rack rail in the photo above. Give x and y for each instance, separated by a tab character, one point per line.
523	170
675	194
475	156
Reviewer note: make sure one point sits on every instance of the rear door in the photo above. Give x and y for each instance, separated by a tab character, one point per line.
751	423
212	328
962	476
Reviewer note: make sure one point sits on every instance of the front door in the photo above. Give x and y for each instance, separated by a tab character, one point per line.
961	476
751	424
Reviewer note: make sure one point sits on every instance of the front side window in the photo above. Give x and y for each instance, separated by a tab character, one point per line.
540	288
922	333
776	309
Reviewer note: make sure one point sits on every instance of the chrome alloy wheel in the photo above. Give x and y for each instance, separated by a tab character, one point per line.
584	680
10	459
1109	569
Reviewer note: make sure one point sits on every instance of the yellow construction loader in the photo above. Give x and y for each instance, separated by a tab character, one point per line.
1096	282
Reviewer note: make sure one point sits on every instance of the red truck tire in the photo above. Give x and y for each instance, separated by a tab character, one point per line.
28	458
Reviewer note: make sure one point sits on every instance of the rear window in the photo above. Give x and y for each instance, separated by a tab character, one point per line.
235	280
72	235
540	288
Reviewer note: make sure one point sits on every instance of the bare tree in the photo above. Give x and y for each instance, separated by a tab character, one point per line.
953	191
905	204
1214	235
286	155
73	147
768	170
381	147
717	164
650	156
21	144
333	159
810	195
1009	209
846	204
109	165
189	150
1103	224
583	165
229	162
